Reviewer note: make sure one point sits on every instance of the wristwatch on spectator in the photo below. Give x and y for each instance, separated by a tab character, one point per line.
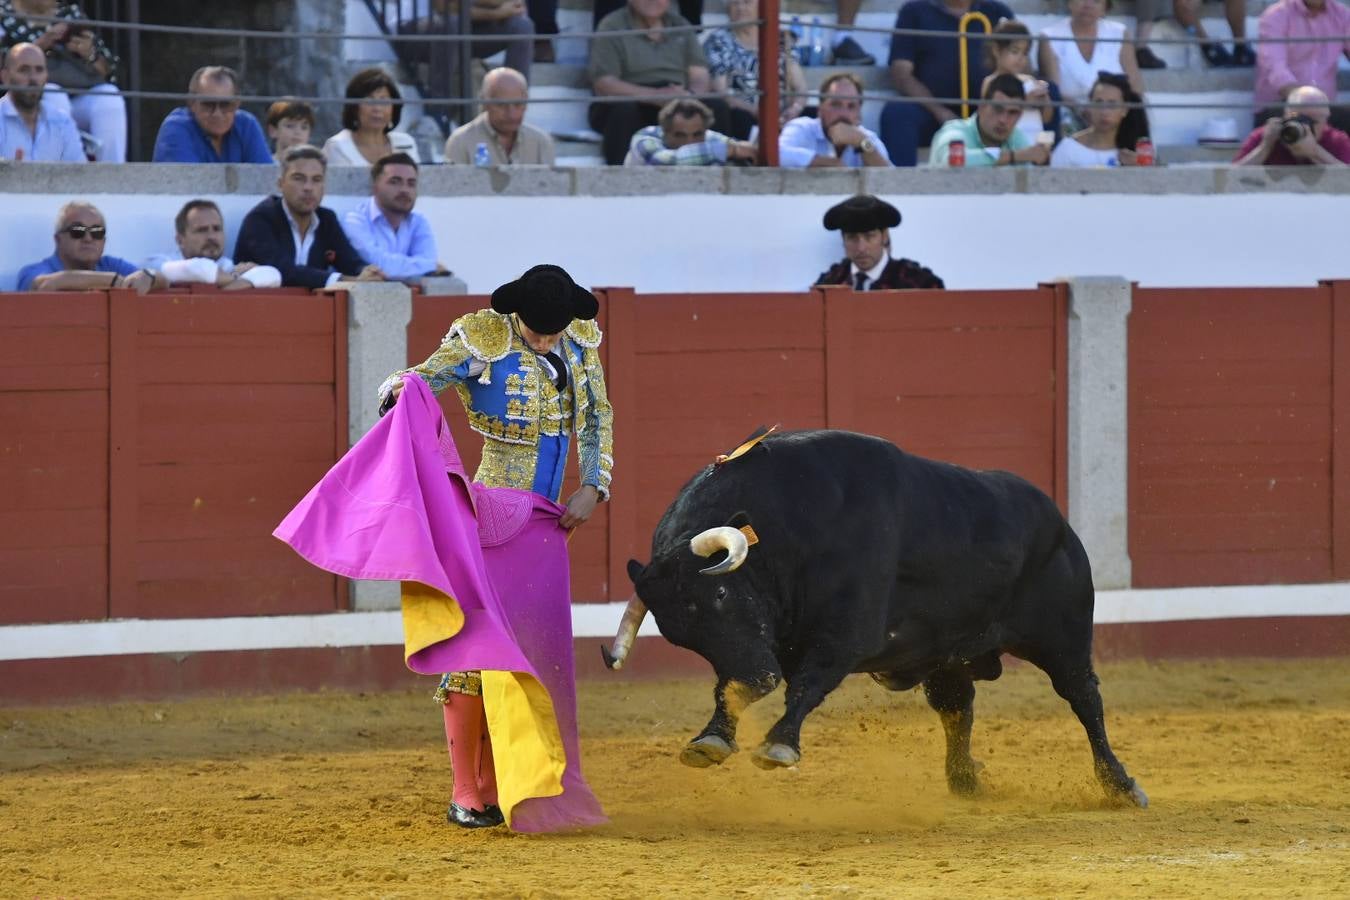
866	145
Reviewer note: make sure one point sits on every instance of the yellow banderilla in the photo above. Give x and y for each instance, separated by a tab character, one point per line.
964	51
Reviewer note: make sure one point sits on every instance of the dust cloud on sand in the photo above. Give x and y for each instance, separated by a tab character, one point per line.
1247	765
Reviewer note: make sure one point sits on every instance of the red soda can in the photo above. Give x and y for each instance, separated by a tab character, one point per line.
956	153
1143	152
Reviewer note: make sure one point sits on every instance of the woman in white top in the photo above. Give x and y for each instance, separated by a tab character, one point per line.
1113	128
368	128
1071	51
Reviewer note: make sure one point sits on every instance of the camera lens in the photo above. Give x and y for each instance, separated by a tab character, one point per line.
1292	131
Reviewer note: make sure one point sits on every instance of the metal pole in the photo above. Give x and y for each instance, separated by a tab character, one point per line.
769	87
465	109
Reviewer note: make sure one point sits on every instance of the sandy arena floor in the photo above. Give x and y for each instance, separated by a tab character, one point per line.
1247	766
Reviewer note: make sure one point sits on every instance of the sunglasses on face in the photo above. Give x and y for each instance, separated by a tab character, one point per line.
78	232
217	106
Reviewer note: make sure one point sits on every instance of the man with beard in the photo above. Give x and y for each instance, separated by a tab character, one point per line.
836	137
384	229
200	233
28	131
991	136
293	233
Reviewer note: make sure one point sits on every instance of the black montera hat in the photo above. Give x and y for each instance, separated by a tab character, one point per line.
546	299
861	212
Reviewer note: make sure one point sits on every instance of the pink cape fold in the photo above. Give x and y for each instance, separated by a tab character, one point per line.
388	511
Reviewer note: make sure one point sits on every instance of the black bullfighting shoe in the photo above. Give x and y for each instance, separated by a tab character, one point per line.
471	818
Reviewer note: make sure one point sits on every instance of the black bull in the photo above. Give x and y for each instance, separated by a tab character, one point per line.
868	559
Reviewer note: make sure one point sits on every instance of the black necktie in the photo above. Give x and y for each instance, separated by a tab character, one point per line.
860	281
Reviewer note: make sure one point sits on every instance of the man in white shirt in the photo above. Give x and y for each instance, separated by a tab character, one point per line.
836	137
29	130
384	229
199	231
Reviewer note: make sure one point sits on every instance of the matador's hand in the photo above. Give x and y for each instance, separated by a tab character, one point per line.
580	506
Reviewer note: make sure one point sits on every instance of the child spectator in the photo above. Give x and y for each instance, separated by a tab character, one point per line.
1009	53
289	124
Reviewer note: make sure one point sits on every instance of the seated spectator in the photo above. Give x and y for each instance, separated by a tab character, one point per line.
212	128
836	136
297	236
1072	52
384	229
650	63
1302	137
77	60
733	62
925	67
692	10
28	129
368	133
501	125
289	124
1009	53
681	138
1113	131
496	22
79	263
991	136
1282	67
199	231
865	222
1187	14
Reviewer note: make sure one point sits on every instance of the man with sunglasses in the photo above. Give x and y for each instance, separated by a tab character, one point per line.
79	263
212	128
991	136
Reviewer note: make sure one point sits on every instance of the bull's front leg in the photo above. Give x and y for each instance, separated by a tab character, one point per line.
806	689
717	741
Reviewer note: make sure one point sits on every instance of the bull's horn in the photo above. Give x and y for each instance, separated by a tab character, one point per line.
724	537
628	629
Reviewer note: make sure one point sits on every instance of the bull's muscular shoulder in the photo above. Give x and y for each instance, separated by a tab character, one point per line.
486	334
585	332
835	274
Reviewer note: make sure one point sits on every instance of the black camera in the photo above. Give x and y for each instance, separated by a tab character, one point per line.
1294	128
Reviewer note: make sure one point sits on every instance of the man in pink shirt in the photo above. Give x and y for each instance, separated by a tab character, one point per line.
1301	137
1281	67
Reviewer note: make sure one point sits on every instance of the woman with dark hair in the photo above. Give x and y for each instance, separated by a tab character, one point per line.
368	127
1115	126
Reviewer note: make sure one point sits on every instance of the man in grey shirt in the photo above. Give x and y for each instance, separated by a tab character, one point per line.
501	126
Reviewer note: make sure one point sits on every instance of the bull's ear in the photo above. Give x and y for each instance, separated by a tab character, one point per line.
635	570
739	520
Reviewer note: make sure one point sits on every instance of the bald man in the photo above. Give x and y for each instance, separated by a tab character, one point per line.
1301	137
29	130
501	126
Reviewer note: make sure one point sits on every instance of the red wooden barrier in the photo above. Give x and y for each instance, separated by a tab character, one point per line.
1231	435
152	443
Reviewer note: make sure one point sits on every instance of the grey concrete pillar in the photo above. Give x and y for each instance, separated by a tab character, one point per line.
443	285
378	314
1099	311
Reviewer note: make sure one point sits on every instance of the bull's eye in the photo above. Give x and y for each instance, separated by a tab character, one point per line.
721	593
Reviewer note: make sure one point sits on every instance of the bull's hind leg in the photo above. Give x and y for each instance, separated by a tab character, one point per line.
717	741
1077	683
952	694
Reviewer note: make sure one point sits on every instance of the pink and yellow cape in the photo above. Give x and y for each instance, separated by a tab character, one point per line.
485	587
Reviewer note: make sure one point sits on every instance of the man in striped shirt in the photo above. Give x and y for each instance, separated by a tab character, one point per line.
682	138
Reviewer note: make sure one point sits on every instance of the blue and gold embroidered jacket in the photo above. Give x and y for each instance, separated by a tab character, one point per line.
510	400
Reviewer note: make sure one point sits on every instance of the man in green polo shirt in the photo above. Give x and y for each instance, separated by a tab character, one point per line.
991	136
656	64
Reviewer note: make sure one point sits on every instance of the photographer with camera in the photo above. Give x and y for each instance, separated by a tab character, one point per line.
1301	137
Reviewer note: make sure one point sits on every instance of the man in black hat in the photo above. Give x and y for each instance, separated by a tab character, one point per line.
528	373
866	222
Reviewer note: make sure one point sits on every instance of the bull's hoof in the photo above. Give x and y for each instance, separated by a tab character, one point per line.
1136	796
706	751
964	781
775	756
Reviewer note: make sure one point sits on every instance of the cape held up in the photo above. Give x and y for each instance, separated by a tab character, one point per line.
485	587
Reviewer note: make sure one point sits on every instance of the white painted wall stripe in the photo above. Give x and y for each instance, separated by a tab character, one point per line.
599	620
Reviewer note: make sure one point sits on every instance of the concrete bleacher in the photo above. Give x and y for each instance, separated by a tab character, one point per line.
563	90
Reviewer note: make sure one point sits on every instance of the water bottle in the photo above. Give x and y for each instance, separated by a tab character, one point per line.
817	43
481	157
800	49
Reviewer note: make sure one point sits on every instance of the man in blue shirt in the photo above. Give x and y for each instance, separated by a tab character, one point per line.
924	67
79	264
384	229
212	128
28	130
